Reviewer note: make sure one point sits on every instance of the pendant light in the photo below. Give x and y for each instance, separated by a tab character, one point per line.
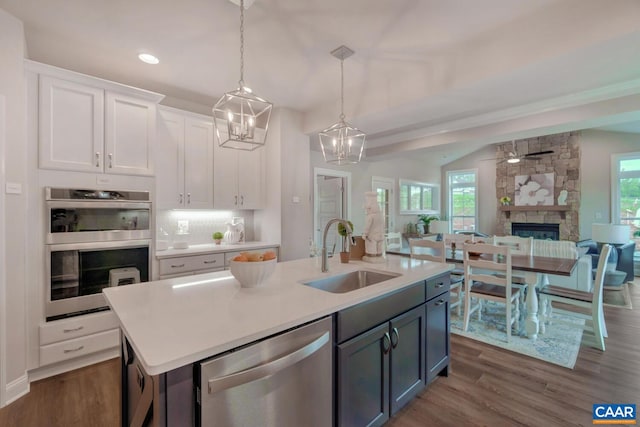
241	118
342	143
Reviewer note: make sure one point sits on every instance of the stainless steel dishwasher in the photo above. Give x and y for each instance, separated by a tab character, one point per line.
282	381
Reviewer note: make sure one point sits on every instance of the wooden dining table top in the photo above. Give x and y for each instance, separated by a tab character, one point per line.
537	264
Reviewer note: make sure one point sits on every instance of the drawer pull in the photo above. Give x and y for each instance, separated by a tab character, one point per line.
440	302
177	266
73	350
439	285
79	328
210	262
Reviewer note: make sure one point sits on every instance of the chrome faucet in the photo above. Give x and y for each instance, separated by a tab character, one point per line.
344	222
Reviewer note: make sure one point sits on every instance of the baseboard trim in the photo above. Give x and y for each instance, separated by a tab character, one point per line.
17	388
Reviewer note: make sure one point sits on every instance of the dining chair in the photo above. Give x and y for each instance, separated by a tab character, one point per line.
394	240
586	305
519	246
487	276
432	250
455	242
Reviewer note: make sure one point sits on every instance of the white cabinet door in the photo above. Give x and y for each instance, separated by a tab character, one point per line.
130	135
71	125
198	163
225	178
250	179
170	161
238	178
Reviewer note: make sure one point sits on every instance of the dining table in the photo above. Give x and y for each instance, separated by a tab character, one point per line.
534	269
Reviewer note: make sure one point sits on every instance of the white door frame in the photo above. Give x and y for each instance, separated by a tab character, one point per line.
347	196
387	184
3	308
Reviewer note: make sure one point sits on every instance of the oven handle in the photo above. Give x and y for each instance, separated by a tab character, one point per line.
95	204
92	246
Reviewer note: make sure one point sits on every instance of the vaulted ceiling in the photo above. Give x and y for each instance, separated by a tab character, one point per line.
425	72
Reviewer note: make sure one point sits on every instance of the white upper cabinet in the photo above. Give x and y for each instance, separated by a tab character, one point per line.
184	177
238	178
71	125
130	135
92	125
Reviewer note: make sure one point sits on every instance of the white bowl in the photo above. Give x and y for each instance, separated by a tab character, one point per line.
252	274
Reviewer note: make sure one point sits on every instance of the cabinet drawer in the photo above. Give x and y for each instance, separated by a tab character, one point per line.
78	326
357	319
437	285
190	263
70	349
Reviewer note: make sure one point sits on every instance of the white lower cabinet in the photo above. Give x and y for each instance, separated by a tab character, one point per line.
194	264
78	336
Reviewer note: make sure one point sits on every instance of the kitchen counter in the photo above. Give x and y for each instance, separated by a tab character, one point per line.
212	248
174	322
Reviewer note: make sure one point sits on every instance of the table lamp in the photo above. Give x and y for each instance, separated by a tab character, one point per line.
614	234
439	228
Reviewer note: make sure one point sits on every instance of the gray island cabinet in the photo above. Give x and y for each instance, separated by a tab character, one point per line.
283	354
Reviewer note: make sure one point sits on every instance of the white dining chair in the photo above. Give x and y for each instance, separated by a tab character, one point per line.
519	246
487	276
432	250
586	305
394	241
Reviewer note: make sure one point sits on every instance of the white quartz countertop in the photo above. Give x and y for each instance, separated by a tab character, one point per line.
212	248
174	322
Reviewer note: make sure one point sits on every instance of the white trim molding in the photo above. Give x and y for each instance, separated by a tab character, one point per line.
3	299
16	389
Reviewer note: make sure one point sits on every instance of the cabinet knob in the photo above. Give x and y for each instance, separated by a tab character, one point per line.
97	159
386	343
188	198
439	302
110	160
181	198
241	200
394	333
236	201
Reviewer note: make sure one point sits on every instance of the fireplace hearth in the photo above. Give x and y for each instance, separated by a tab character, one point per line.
536	230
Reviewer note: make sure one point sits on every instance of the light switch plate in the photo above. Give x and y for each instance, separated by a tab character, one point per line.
13	188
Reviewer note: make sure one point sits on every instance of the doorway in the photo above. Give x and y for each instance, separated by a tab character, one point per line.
331	195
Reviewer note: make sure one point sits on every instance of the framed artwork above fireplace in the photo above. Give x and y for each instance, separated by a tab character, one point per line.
534	190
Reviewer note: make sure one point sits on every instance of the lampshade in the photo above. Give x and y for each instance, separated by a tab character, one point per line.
439	227
610	233
240	118
341	142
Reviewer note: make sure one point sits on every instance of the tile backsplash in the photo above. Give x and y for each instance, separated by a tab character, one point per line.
199	224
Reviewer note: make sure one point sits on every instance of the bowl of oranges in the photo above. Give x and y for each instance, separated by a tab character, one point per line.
252	269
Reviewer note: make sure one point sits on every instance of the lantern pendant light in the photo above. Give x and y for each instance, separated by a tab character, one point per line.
240	118
342	143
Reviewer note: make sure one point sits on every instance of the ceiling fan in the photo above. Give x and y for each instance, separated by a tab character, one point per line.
514	157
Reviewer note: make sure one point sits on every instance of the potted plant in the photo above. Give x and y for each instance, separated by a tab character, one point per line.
342	230
217	237
426	220
505	200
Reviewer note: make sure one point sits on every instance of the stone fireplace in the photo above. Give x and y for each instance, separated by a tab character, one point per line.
564	163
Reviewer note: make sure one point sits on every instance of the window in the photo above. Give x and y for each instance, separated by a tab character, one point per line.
463	200
626	190
419	197
384	188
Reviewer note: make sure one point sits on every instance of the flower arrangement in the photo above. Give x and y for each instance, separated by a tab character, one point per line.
505	200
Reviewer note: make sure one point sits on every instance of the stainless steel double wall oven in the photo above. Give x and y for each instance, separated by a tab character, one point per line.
94	239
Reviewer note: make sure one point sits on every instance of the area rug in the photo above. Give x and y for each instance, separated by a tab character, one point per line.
620	298
558	345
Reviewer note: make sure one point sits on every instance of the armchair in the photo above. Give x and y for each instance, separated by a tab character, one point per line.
624	252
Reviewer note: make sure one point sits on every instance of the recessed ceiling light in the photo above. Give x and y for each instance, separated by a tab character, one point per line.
148	58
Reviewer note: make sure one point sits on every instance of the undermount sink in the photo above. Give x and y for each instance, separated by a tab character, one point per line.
351	281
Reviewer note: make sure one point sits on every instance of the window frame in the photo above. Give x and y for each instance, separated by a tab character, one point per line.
616	159
387	184
435	197
450	188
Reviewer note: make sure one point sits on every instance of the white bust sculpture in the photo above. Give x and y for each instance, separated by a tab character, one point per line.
373	233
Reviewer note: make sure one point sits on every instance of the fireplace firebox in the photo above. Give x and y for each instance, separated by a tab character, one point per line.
536	230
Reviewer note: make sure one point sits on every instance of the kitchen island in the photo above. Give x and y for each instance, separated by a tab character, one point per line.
172	324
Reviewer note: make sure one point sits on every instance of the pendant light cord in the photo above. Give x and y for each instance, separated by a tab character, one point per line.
241	82
342	90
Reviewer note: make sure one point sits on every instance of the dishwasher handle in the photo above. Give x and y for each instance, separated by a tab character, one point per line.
267	369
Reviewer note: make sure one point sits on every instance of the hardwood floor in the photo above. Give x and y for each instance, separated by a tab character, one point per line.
488	386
